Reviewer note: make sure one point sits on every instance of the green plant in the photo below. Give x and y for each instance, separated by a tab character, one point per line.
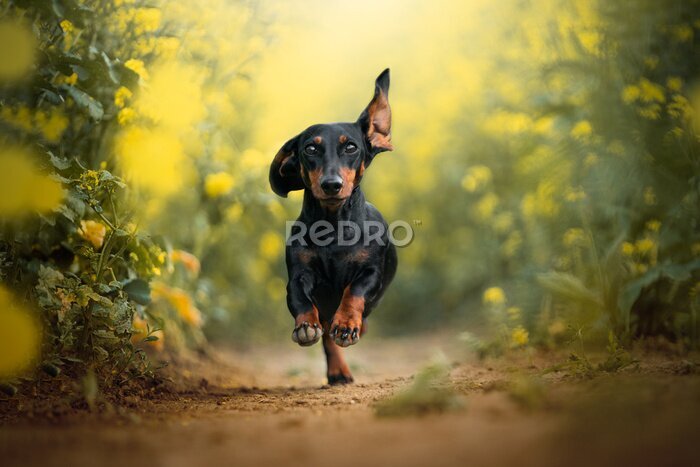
579	365
431	391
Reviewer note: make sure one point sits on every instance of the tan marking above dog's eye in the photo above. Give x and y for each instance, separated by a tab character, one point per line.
318	140
343	139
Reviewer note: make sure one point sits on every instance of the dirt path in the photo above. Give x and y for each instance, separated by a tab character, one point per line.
255	408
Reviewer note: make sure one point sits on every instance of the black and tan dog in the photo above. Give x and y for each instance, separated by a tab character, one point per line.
335	283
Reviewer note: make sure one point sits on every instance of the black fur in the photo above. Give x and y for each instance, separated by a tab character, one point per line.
321	155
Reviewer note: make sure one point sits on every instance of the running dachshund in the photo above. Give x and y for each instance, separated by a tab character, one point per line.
335	281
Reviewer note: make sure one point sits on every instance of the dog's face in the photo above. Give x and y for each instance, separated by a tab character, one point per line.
330	159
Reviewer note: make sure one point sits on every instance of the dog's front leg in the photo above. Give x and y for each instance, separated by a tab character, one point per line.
346	327
307	326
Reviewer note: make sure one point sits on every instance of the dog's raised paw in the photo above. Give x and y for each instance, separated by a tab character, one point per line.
306	333
345	334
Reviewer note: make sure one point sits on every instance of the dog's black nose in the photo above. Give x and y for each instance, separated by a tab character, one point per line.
332	185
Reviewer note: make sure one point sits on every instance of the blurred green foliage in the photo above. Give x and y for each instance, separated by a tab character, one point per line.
575	194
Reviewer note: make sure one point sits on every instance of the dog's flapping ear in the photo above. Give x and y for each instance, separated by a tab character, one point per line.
285	172
375	120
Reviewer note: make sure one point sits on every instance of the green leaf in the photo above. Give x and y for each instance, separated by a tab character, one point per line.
51	369
110	69
569	287
103	334
677	272
103	288
139	291
150	339
84	100
59	162
104	301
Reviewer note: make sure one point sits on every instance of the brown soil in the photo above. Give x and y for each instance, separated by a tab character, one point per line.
270	407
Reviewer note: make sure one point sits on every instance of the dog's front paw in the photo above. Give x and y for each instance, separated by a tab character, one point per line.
307	329
345	330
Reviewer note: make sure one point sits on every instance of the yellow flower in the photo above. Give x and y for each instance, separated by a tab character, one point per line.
121	95
24	118
94	232
652	112
628	249
519	337
271	245
487	205
477	177
167	47
18	52
234	212
188	260
147	19
23	188
494	296
67	26
173	97
674	83
218	184
582	129
644	245
153	159
543	202
680	107
503	222
126	116
69	80
179	300
20	336
630	93
510	247
544	125
574	236
651	92
137	67
53	125
653	225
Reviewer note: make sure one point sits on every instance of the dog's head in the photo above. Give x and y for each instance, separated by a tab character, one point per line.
329	159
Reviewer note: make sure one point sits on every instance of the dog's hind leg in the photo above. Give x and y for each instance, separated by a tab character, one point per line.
338	371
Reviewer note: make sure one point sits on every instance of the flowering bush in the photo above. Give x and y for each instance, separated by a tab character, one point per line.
104	116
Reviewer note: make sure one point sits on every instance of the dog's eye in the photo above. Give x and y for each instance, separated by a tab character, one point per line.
311	150
350	148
